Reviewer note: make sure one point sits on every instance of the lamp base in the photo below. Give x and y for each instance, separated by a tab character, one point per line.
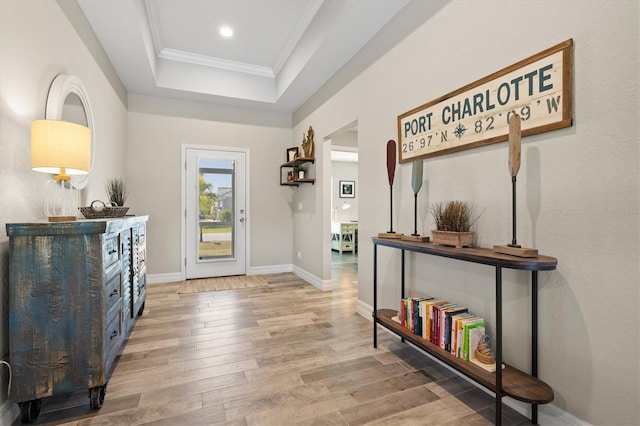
61	218
516	251
61	201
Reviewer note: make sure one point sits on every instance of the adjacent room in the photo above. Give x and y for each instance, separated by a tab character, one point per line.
344	204
319	212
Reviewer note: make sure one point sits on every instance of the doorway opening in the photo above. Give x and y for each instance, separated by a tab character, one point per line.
214	227
344	206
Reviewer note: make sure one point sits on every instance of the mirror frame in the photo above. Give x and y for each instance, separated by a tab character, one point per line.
62	86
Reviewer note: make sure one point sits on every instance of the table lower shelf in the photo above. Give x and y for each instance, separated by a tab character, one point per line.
515	383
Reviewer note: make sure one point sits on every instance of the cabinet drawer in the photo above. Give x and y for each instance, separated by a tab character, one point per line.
112	292
110	252
142	237
349	229
347	247
142	260
141	287
113	331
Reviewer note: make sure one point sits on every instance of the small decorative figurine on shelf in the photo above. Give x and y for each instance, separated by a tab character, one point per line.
307	144
484	354
303	146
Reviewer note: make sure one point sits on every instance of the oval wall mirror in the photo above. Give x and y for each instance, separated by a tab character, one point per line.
68	101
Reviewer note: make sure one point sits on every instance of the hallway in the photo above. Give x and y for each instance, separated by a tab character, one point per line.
287	354
344	269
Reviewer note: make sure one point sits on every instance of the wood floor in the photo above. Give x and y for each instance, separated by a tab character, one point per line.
285	354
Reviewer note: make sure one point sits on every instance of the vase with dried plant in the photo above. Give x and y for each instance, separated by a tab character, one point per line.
116	191
453	220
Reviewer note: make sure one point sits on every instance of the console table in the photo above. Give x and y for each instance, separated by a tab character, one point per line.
504	382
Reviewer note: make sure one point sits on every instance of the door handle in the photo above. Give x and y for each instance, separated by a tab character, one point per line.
241	219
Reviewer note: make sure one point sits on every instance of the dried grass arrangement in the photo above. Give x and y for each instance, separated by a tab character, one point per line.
116	191
454	216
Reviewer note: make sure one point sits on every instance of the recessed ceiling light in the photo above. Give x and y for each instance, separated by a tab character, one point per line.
226	31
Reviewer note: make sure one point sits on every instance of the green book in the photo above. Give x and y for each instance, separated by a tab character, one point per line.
467	328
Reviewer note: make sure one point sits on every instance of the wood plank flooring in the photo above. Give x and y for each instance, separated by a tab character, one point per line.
281	355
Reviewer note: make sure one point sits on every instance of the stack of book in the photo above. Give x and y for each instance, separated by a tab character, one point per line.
444	324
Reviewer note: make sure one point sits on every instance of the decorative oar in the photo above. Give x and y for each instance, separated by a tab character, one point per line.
416	184
391	171
514	166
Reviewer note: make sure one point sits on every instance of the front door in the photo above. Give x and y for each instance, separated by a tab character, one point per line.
215	215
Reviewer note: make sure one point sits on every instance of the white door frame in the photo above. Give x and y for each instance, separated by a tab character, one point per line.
183	203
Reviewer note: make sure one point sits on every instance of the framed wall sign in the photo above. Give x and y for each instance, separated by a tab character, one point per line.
347	189
537	88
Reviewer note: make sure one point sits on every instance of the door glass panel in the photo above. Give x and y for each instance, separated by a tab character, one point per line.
216	209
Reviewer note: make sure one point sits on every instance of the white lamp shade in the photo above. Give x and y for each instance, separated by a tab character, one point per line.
57	145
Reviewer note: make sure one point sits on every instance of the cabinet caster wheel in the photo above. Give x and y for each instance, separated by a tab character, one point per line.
141	310
96	397
29	410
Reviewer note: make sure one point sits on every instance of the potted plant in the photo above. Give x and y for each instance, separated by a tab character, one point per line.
116	191
298	172
453	220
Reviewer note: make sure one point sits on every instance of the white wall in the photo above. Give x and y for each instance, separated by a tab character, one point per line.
37	43
156	130
578	199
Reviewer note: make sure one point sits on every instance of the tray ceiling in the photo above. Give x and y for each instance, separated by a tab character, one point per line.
281	53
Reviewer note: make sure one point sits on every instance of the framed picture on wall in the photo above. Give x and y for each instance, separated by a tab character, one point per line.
292	154
347	189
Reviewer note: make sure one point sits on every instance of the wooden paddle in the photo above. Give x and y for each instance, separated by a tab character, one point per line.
514	145
416	176
416	184
514	165
391	172
391	160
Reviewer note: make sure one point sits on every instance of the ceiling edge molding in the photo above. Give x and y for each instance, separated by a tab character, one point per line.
146	32
209	61
172	107
294	38
153	23
76	17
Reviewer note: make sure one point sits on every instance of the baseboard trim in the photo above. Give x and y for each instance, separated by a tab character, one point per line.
270	269
171	277
548	414
320	284
364	309
9	412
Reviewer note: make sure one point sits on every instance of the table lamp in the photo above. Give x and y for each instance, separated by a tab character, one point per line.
63	149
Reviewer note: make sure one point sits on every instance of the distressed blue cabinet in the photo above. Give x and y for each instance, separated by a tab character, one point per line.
75	289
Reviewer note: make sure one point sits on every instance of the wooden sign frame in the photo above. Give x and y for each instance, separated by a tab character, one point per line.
538	88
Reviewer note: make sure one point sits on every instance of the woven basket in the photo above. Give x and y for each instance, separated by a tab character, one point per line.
98	210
